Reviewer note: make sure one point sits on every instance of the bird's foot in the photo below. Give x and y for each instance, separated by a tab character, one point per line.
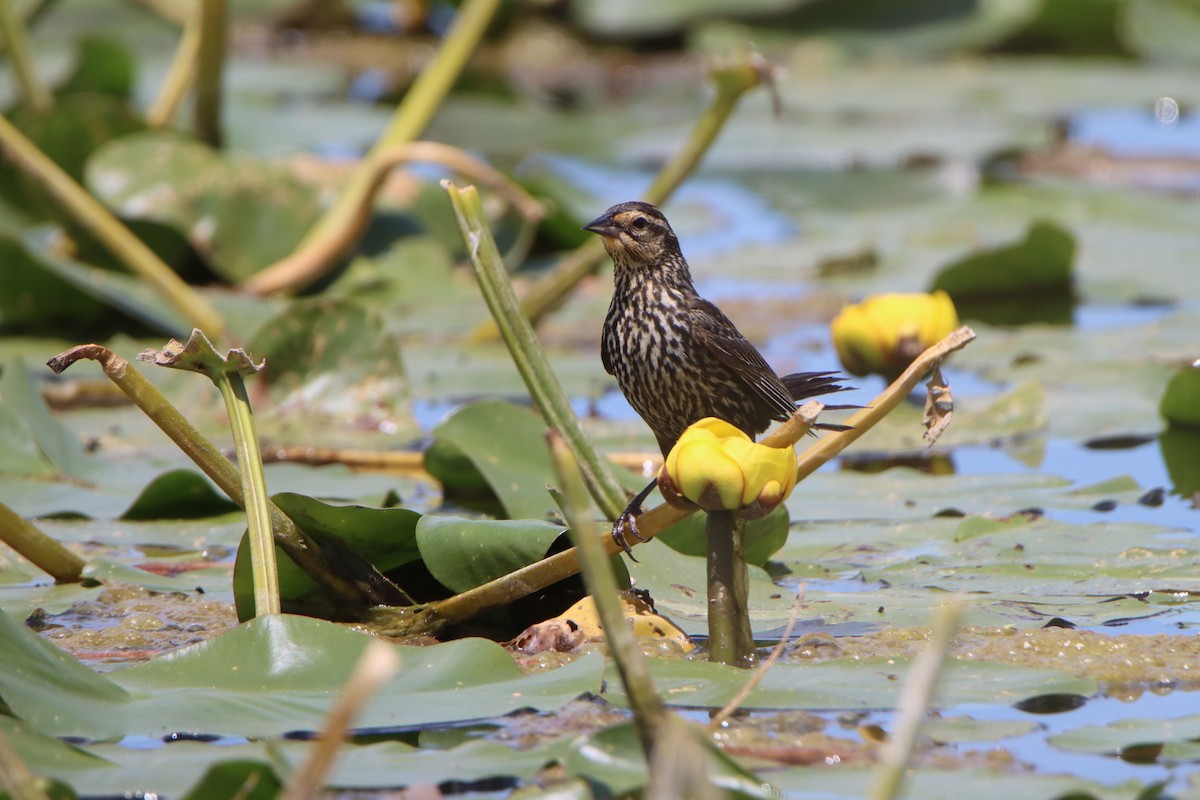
626	526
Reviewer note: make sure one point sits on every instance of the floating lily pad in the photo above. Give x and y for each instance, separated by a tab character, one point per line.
239	213
465	553
267	677
1037	266
334	362
1181	401
507	445
385	537
69	133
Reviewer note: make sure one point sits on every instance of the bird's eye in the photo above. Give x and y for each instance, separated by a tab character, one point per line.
640	223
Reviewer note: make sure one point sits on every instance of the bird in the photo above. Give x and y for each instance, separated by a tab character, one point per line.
676	357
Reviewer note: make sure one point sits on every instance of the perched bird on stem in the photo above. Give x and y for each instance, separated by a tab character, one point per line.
676	357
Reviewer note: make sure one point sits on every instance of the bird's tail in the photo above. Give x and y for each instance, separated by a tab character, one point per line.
803	385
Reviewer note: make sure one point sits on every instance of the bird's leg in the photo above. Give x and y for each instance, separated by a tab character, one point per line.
627	520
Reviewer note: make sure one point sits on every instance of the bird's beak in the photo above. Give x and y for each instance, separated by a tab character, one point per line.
604	226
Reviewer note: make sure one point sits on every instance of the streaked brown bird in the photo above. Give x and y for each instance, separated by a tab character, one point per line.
676	357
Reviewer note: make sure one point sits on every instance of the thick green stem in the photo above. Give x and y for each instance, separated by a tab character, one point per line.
601	584
119	240
210	69
527	353
254	484
47	554
730	639
12	29
732	79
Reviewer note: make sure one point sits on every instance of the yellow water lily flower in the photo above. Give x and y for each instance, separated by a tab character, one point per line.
716	466
885	332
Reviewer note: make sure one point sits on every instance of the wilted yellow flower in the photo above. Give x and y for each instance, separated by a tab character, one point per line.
716	466
885	332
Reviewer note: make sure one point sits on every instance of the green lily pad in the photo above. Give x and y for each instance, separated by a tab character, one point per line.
269	676
465	553
1162	30
1181	401
1126	733
507	445
69	133
842	684
763	536
1038	265
330	364
103	65
179	494
385	537
239	213
35	434
48	292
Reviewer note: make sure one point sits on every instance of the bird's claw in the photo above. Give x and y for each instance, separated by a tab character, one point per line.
625	526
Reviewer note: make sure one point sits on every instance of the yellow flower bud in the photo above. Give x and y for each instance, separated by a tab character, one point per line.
718	467
885	332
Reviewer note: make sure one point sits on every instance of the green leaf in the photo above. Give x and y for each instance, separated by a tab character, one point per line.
678	584
103	65
464	553
269	676
239	213
507	445
46	754
763	536
1162	30
69	133
179	494
52	441
386	537
53	692
849	684
333	366
1125	733
247	780
1180	403
1040	264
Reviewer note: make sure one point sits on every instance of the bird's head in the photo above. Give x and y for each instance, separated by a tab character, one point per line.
635	232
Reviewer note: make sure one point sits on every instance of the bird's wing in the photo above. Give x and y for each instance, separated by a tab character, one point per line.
733	350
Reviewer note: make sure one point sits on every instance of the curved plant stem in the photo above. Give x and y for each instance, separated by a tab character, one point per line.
535	577
732	78
423	99
89	213
45	552
210	69
526	351
730	638
12	30
179	76
648	710
314	258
